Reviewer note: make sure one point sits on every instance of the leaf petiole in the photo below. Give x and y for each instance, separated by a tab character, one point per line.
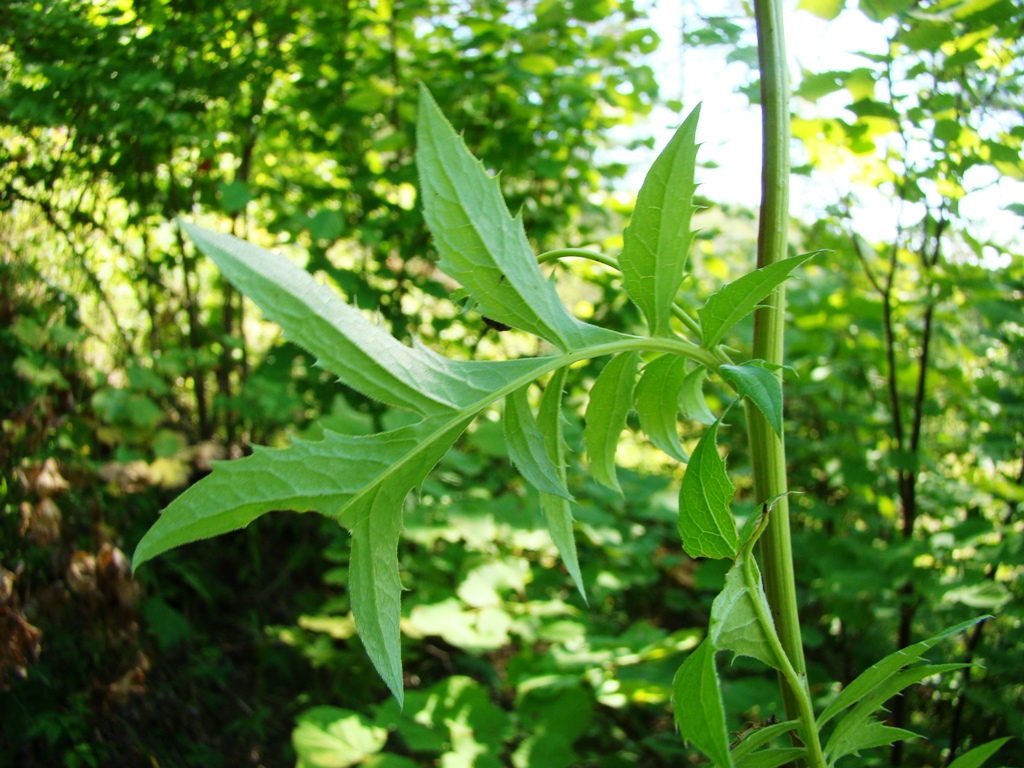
677	309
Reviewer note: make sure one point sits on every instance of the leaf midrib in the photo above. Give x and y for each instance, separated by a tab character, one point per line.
448	421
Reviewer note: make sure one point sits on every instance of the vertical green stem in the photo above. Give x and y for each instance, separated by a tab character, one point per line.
768	449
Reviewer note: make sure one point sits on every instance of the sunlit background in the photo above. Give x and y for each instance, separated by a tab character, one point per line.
730	125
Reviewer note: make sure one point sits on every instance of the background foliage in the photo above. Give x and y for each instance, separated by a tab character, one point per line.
128	365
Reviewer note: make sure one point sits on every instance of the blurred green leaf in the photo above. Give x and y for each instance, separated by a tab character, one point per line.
824	9
234	196
329	737
977	756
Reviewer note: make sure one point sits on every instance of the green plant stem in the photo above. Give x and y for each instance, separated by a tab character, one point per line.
797	680
581	253
768	455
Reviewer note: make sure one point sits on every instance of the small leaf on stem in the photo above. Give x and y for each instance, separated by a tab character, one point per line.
556	509
691	397
735	625
761	386
706	523
526	446
610	401
657	403
739	298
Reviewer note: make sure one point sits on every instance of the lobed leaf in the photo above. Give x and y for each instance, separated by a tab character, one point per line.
361	481
656	400
739	298
705	521
556	509
325	476
862	713
978	755
656	242
760	386
759	738
526	446
374	584
697	705
879	673
867	736
480	244
691	397
610	401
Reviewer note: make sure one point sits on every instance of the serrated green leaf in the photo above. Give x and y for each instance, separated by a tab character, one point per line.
878	673
691	397
739	298
558	515
480	244
302	477
657	402
759	738
760	386
656	242
526	446
864	710
362	481
772	758
610	401
697	705
326	476
869	735
705	522
363	356
978	755
556	509
734	620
